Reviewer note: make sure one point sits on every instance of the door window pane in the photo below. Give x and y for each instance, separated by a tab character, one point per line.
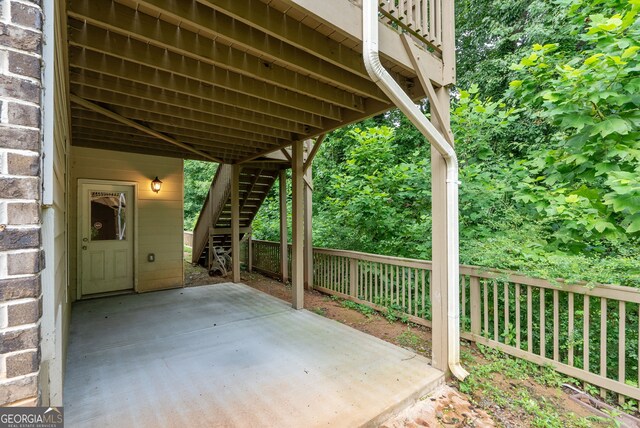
108	216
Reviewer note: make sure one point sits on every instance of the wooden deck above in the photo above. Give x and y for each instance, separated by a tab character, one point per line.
231	81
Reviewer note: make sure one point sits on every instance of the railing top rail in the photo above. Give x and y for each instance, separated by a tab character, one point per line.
628	294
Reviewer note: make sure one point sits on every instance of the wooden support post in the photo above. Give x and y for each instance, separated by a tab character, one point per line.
235	222
308	222
474	286
439	285
250	253
297	253
284	236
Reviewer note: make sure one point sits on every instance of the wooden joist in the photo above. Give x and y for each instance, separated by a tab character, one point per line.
163	79
124	20
106	112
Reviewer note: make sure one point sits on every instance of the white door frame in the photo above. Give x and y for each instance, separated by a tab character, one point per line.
79	184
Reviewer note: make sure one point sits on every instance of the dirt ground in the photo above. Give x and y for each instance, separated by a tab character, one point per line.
484	406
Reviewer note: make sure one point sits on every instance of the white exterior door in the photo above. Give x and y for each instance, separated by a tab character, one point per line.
106	238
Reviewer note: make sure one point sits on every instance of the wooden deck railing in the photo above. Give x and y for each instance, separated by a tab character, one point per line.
590	333
425	19
211	209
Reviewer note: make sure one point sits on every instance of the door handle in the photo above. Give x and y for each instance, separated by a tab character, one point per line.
84	247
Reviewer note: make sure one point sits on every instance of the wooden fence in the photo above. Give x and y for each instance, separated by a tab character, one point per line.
187	239
587	332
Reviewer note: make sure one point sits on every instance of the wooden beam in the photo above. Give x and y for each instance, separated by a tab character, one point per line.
308	228
133	51
314	151
439	284
297	216
133	148
214	25
149	141
98	109
103	128
135	24
284	234
235	222
278	156
102	63
217	133
286	154
199	111
148	145
416	56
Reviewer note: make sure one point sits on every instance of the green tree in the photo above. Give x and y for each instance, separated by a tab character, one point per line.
491	35
197	180
585	182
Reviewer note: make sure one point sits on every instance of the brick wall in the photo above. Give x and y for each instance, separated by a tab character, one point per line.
21	257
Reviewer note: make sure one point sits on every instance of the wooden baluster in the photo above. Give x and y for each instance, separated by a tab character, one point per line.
517	301
603	343
353	277
404	292
439	22
476	314
393	293
571	329
424	296
529	319
556	326
371	288
332	278
401	11
463	287
585	333
430	287
424	19
415	292
344	276
387	284
622	341
412	14
432	20
506	311
496	323
543	341
486	308
325	260
336	267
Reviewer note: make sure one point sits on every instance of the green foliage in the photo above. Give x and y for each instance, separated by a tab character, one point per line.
376	200
482	384
363	309
409	339
548	164
491	35
197	180
585	182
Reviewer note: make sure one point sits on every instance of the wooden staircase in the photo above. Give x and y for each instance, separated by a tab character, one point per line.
214	220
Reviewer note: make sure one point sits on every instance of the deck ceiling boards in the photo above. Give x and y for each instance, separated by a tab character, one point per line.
214	79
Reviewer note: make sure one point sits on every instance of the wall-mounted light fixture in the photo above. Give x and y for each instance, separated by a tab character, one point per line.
156	185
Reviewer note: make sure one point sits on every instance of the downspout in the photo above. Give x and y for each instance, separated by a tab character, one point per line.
388	85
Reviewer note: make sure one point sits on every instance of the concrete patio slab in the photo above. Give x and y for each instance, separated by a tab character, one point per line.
227	355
